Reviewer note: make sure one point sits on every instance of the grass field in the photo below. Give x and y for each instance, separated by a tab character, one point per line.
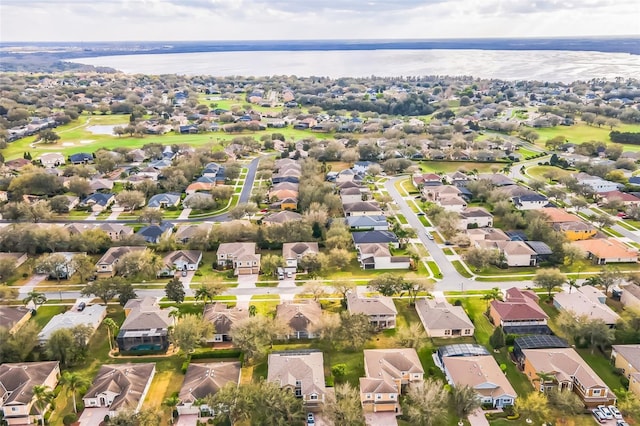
454	166
581	132
537	172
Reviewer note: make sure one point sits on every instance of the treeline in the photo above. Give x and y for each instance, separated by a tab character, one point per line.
625	137
412	105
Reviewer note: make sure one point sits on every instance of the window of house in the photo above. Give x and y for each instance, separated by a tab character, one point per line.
392	396
596	392
378	396
313	396
447	332
467	331
368	396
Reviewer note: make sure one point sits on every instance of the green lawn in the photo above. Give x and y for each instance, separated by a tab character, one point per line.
581	132
45	313
476	307
461	270
454	166
537	172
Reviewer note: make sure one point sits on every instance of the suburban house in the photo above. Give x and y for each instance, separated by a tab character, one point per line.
515	253
473	366
302	372
380	309
146	326
627	359
375	237
185	233
602	251
52	159
241	257
571	225
162	201
368	223
12	318
354	195
535	341
624	197
109	260
181	260
596	183
281	217
486	234
99	184
81	158
476	217
519	313
378	256
300	317
98	201
152	234
18	258
222	317
630	296
362	208
426	179
586	301
115	231
442	319
203	380
293	252
63	271
16	389
387	372
532	201
120	387
91	316
569	371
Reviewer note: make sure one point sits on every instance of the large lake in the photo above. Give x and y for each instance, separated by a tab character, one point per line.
544	65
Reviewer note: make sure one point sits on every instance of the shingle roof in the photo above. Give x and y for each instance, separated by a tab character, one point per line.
202	380
307	367
630	352
128	381
20	378
439	315
299	316
223	317
380	305
374	237
481	373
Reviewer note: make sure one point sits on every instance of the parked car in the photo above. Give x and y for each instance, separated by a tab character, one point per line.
184	273
623	215
429	236
310	419
616	413
289	275
81	306
606	412
598	415
621	423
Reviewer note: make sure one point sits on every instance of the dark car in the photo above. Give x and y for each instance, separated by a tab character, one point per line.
81	306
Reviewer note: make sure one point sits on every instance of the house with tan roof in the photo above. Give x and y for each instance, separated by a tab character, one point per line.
301	372
109	260
362	208
378	256
569	371
586	301
300	317
17	381
354	195
241	257
185	233
381	310
519	313
386	371
514	253
442	319
223	317
483	374
630	296
487	234
627	359
570	225
293	252
204	380
145	327
181	260
120	387
626	198
14	317
602	251
281	217
52	159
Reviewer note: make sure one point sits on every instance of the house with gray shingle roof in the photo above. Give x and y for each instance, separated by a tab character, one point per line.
300	317
301	372
203	380
293	252
162	201
380	309
442	319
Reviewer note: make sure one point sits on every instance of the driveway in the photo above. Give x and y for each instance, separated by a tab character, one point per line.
188	420
247	281
93	416
381	419
31	284
477	418
186	282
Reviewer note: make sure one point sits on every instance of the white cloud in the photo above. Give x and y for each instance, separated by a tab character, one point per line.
112	20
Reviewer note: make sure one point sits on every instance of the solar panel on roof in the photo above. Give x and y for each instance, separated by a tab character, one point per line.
540	342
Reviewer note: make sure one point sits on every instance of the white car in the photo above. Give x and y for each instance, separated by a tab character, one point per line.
606	412
599	415
616	413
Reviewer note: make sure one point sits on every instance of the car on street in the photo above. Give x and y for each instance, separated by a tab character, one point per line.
598	415
429	235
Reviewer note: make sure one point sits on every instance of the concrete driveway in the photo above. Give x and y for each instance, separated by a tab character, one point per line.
247	281
189	420
381	419
31	284
93	416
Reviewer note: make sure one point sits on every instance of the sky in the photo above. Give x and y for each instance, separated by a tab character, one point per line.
173	20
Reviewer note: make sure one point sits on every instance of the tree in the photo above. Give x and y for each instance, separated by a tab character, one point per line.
150	216
16	347
112	327
387	284
171	402
8	267
534	406
142	264
494	294
425	403
315	288
175	290
343	407
43	396
343	288
74	383
48	136
54	265
610	277
628	403
270	263
79	186
208	291
549	279
480	258
126	292
130	200
602	220
255	334
411	337
83	266
35	297
572	254
104	288
464	400
565	402
354	331
497	339
190	332
59	204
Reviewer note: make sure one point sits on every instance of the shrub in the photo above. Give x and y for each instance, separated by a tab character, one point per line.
457	302
185	366
339	370
70	419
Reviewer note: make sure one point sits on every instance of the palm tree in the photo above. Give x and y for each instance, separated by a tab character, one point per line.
493	294
544	377
43	397
253	310
171	402
111	328
465	400
74	383
35	297
572	283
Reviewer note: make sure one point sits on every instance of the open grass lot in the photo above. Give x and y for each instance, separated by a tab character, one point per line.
454	166
537	172
581	132
45	313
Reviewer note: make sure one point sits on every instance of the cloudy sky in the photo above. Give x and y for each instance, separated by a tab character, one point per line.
116	20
